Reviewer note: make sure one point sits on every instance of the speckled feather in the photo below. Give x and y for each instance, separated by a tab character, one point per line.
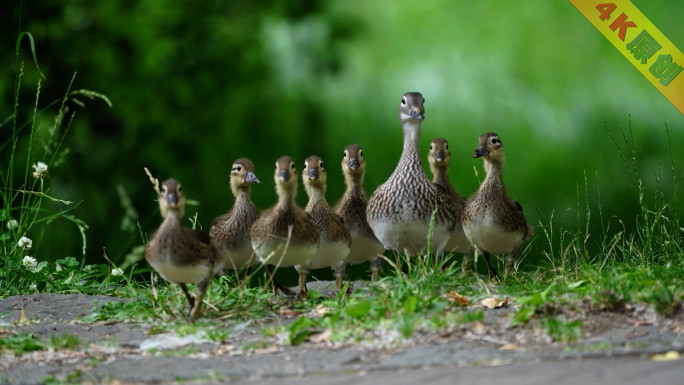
408	197
491	204
230	232
270	231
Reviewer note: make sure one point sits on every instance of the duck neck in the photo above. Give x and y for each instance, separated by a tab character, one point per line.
172	220
353	181
494	170
410	156
316	195
242	197
286	196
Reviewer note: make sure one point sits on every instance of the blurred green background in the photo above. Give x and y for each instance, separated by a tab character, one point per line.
195	85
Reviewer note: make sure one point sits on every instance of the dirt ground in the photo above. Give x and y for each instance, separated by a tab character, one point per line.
126	352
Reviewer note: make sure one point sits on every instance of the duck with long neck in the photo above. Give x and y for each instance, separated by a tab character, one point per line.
493	222
399	211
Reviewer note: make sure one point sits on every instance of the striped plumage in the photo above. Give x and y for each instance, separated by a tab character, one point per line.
400	209
492	221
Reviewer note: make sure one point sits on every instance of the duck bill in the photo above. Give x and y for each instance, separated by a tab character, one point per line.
283	175
439	156
353	164
480	152
252	178
417	113
313	174
172	199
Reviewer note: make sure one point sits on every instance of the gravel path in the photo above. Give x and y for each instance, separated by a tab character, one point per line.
615	348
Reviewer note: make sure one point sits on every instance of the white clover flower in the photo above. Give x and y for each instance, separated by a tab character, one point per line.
25	243
116	272
39	170
12	224
29	262
33	287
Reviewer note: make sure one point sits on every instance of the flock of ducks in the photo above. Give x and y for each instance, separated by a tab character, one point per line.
397	216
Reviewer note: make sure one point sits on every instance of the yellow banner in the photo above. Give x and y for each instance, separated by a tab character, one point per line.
641	43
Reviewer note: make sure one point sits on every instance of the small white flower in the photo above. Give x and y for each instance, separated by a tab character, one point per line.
25	243
33	287
29	262
117	272
87	267
12	224
39	170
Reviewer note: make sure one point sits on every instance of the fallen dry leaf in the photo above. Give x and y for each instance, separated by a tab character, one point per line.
509	347
672	355
323	336
458	298
321	310
494	302
289	313
22	318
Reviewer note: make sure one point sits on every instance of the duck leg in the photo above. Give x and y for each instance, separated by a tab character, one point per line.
191	300
490	268
303	292
510	260
201	290
467	259
376	267
339	275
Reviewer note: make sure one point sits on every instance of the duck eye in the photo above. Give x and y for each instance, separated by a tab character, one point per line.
361	154
446	146
423	100
292	166
180	189
403	100
345	154
320	164
431	146
239	168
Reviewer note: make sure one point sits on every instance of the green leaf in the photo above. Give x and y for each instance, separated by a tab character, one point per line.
302	328
577	284
410	304
33	49
358	309
523	315
39	267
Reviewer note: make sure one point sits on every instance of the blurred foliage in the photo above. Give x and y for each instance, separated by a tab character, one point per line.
195	85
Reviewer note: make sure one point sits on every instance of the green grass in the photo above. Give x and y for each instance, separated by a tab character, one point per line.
28	207
618	265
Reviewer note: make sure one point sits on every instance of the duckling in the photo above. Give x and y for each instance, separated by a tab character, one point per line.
286	235
178	254
493	222
439	158
230	232
400	209
335	241
352	208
